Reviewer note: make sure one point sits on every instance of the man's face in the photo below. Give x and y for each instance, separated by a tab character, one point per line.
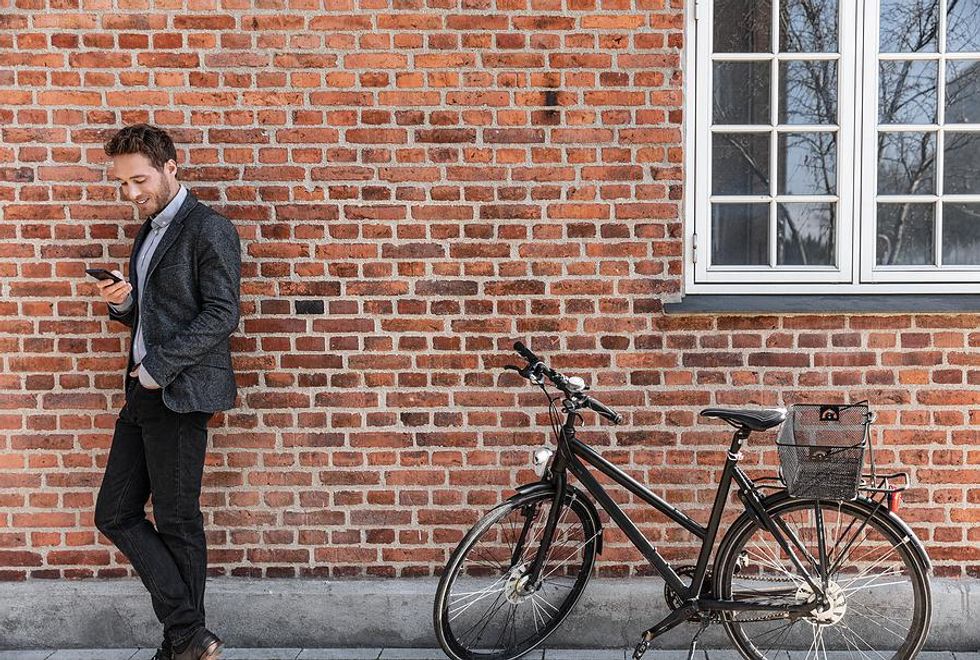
144	185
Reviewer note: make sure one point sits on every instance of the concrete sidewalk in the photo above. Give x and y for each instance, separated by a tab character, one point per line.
426	654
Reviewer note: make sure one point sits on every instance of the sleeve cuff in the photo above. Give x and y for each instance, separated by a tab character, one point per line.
123	307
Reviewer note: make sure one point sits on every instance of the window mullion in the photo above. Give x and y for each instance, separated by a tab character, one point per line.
940	137
849	138
866	153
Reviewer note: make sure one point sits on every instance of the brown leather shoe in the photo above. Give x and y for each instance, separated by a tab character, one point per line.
204	645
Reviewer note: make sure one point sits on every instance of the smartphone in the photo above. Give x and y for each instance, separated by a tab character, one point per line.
103	274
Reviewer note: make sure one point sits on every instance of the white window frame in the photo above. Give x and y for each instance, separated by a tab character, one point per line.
857	133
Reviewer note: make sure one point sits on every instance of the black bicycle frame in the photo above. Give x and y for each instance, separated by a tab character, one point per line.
571	450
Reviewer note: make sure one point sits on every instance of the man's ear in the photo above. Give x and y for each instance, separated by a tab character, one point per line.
171	167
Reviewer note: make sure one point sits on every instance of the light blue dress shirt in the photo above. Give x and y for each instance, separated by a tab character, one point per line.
160	223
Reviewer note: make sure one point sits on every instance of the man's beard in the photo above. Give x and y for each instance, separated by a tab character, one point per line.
158	201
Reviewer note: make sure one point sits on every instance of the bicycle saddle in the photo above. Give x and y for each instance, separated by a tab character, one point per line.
756	419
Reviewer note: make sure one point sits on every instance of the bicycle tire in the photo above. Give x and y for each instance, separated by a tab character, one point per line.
854	618
450	604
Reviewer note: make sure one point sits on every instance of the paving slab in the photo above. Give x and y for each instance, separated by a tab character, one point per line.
93	654
260	654
428	654
340	654
584	654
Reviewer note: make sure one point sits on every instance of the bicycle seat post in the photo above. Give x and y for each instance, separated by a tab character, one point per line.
741	434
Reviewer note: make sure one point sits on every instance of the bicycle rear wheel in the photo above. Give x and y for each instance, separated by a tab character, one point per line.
878	602
484	607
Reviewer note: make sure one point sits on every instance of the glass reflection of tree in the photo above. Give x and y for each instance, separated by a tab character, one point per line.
809	92
963	91
915	172
805	26
906	27
910	26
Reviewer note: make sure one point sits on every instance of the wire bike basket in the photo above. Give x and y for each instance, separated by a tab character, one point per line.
821	450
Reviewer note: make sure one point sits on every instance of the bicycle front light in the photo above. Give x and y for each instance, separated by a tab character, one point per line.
540	459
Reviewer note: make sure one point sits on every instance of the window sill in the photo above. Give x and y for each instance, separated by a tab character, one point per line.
840	304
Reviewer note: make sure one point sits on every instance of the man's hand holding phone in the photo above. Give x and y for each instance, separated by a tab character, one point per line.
113	288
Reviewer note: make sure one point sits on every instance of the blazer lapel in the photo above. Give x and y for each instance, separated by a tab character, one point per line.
173	230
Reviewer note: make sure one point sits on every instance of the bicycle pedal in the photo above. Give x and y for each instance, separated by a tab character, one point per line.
640	649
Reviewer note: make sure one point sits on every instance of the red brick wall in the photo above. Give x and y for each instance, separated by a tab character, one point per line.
444	179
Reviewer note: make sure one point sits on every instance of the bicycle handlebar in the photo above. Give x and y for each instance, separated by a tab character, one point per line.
526	353
560	381
603	410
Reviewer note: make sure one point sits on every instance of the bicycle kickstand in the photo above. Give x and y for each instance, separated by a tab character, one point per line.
670	621
694	641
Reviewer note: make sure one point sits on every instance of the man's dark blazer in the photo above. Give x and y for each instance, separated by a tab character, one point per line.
190	308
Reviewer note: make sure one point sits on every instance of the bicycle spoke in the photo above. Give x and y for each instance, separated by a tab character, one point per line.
878	621
851	640
497	613
875	585
779	639
486	618
870	647
569	558
480	596
872	585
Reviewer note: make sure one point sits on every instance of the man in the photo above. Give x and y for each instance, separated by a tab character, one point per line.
182	304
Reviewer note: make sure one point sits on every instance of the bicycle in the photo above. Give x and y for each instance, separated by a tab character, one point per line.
793	571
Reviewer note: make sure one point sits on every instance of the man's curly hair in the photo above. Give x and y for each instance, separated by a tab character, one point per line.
152	142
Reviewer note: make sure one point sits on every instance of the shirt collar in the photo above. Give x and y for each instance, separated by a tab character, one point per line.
169	212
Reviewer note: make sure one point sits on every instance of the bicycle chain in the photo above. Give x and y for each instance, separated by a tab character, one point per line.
770	617
689	570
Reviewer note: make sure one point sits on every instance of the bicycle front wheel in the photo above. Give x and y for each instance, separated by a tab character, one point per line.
485	607
876	601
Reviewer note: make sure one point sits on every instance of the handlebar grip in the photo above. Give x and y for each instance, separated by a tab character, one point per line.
526	353
604	410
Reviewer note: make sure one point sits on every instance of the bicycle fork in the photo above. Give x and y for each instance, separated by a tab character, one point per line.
534	570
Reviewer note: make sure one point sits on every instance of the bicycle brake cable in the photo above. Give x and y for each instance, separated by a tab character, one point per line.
553	415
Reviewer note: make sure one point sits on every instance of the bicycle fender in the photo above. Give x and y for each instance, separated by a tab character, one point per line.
898	526
548	487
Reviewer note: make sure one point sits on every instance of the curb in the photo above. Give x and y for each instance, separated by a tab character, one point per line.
395	613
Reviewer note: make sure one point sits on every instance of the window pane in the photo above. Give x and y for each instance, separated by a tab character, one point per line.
805	234
963	91
740	163
905	234
807	163
741	92
808	26
909	26
906	163
740	234
962	31
907	92
961	163
808	92
961	234
742	26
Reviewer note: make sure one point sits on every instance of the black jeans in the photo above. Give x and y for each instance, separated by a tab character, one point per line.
160	452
